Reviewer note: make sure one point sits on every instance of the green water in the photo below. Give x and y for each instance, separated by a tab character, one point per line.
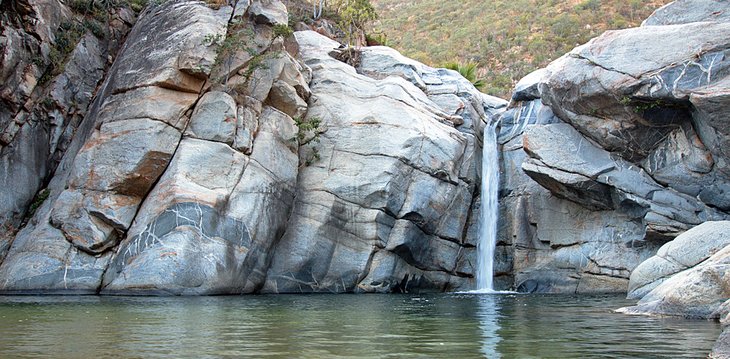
343	326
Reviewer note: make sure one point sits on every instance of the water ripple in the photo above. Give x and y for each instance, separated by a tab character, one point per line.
343	326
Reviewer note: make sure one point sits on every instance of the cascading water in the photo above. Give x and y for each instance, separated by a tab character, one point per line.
489	209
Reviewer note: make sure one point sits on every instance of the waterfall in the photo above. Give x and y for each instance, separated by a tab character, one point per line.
488	210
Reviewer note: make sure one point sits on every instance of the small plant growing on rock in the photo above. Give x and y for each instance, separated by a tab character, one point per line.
95	27
257	62
642	105
137	5
68	36
306	128
41	197
282	30
235	40
468	71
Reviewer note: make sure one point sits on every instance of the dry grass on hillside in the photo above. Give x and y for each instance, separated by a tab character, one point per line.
507	38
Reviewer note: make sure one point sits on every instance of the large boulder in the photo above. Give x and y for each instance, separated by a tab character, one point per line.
663	112
686	251
701	291
628	132
697	292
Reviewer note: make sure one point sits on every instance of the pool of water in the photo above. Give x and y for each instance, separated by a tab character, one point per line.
343	326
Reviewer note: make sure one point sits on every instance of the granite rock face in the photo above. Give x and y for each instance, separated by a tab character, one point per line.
615	149
687	11
664	113
698	291
50	70
387	196
231	160
686	251
156	170
264	166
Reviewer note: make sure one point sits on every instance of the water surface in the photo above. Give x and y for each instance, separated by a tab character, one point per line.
343	326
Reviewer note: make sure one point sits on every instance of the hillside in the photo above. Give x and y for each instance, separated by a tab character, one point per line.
507	38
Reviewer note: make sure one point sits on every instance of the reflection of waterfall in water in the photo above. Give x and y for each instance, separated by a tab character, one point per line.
488	316
489	210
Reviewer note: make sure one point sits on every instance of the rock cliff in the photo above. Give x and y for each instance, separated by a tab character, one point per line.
614	149
220	156
53	62
201	149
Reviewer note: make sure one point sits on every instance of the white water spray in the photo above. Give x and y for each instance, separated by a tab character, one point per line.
489	209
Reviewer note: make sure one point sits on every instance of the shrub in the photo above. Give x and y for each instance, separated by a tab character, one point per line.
307	127
67	36
591	5
38	201
354	17
379	39
283	31
498	34
468	71
137	5
95	27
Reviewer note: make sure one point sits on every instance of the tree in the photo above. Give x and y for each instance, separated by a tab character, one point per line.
354	16
318	8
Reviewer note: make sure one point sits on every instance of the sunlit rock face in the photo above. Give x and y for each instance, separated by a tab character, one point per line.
616	148
388	198
688	277
219	158
204	153
144	203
